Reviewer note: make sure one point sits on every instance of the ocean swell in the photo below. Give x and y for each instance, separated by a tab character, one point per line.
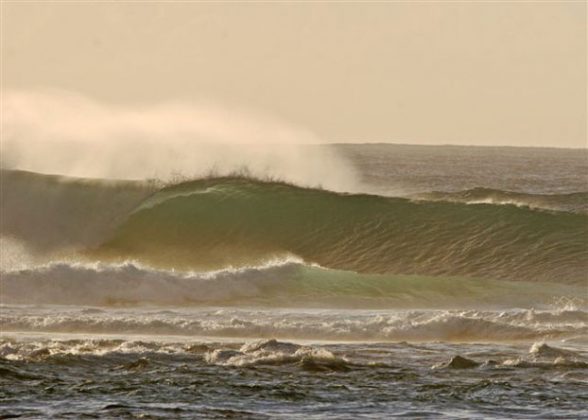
214	223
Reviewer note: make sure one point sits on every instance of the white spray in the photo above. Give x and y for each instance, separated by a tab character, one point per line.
65	133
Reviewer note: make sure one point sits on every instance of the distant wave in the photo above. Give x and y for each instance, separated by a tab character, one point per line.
572	202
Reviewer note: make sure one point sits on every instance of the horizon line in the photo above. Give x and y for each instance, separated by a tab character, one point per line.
340	143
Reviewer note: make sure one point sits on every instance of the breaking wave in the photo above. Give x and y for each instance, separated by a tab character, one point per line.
302	324
237	239
213	223
281	283
576	202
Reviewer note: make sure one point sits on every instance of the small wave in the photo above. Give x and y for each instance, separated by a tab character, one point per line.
129	355
335	325
273	352
558	363
540	350
544	356
286	282
264	352
131	284
457	362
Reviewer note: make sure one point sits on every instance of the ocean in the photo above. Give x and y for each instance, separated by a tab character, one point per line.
450	282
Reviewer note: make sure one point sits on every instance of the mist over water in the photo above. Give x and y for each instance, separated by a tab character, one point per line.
59	132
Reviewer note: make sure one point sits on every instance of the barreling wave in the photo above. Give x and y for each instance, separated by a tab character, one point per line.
576	202
287	283
214	223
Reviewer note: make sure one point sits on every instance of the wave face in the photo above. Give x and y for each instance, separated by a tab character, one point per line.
214	223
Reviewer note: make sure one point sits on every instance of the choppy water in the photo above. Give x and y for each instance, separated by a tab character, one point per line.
453	284
121	377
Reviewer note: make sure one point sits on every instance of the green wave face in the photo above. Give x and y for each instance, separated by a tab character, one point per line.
316	287
224	222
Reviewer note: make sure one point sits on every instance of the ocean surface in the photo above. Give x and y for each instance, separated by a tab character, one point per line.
450	282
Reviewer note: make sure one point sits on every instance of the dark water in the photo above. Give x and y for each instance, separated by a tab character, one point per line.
138	379
453	284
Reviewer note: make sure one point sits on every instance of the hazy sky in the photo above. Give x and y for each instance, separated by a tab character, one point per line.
430	72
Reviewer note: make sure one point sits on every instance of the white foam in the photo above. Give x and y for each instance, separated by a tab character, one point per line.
131	283
299	324
272	352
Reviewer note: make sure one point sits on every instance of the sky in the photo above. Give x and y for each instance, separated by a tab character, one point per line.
477	73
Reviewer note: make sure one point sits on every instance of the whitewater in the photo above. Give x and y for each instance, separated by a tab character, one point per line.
444	282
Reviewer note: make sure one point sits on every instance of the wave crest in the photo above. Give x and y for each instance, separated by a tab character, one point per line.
576	202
